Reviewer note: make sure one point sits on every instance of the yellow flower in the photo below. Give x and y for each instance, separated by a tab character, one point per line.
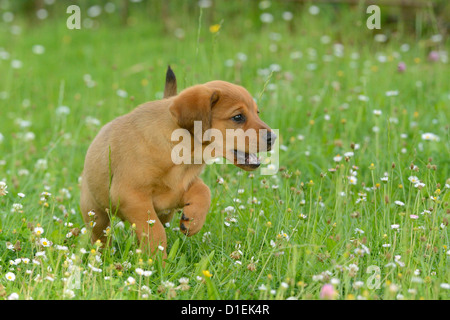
67	39
214	28
207	274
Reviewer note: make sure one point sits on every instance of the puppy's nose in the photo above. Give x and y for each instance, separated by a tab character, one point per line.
271	137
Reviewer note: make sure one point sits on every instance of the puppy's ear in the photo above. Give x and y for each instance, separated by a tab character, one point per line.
194	104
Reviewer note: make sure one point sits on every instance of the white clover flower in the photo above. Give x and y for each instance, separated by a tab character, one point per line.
358	284
262	287
362	97
352	269
183	280
380	37
16	64
349	154
229	209
419	185
287	16
139	271
392	93
94	11
204	3
42	14
399	203
122	93
314	10
13	296
445	286
91	121
38	49
266	17
41	164
69	294
168	284
62	110
17	207
3	188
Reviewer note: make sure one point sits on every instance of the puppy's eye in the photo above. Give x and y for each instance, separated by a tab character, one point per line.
238	118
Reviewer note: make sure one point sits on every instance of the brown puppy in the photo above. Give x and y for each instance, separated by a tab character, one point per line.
129	168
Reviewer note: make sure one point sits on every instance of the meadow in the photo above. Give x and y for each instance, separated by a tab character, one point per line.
358	209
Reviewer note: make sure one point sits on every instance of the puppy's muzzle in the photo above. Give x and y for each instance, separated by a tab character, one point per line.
270	138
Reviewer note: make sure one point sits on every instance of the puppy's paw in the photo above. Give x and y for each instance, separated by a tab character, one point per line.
190	224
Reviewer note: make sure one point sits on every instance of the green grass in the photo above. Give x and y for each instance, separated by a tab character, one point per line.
266	237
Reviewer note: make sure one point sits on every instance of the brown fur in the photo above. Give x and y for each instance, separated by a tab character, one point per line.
128	166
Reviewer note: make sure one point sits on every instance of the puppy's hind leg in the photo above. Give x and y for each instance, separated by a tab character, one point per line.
95	217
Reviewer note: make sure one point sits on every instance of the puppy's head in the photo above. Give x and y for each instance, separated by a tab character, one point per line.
230	121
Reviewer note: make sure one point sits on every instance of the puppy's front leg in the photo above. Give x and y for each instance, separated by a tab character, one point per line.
197	200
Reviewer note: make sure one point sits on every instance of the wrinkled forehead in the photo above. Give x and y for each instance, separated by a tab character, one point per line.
232	93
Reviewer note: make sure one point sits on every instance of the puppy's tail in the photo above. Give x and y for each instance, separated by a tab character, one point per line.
170	88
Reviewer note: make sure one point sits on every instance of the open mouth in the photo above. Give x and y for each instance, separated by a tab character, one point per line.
244	159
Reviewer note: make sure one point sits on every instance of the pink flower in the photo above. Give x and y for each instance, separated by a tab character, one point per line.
401	67
327	292
433	56
413	216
